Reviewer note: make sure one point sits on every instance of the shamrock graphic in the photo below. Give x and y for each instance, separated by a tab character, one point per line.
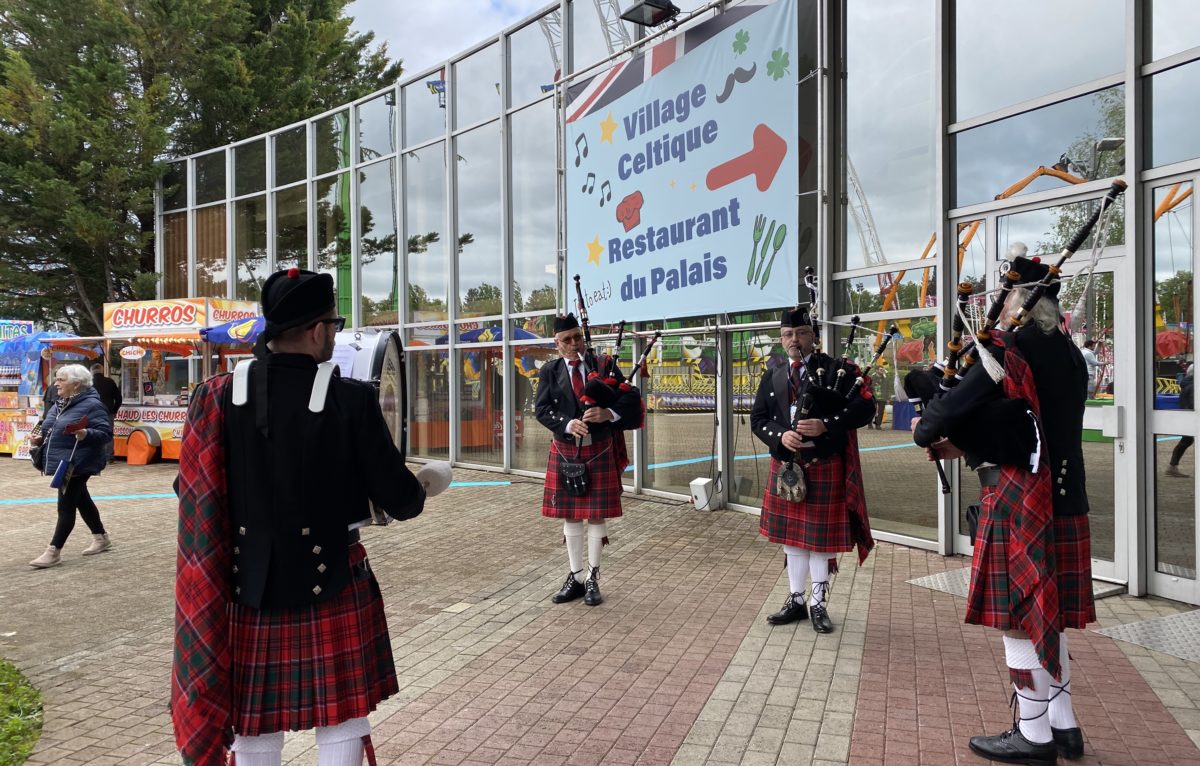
778	65
740	40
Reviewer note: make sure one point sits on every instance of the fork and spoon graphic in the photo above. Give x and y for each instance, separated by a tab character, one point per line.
773	242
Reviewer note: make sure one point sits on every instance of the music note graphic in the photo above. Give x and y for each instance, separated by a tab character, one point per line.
605	192
578	157
589	184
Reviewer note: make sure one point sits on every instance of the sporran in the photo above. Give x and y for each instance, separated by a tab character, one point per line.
790	484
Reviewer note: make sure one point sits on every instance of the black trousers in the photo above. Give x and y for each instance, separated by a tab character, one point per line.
72	496
1180	448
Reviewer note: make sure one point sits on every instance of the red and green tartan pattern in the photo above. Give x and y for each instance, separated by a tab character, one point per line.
825	521
200	669
317	665
1013	580
1073	557
603	497
1022	679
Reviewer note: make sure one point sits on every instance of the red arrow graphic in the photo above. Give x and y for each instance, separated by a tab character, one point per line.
762	162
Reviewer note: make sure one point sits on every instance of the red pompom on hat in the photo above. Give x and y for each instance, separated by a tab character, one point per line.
293	272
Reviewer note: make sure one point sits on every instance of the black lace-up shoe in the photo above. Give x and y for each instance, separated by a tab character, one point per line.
571	590
1069	742
1012	747
793	610
820	620
592	596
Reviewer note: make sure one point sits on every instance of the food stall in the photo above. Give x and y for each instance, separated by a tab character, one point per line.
25	365
165	353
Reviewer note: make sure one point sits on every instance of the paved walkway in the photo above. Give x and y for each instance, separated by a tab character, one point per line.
677	666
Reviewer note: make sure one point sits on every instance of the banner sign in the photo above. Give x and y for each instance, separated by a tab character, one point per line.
14	328
682	172
133	318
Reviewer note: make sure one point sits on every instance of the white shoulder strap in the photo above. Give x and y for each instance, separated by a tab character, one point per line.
316	402
241	382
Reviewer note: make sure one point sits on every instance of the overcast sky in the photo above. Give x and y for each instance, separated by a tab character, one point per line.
425	32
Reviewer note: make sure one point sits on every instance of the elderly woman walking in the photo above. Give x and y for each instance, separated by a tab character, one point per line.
76	430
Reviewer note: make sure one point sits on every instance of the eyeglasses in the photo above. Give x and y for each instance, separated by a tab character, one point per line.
339	323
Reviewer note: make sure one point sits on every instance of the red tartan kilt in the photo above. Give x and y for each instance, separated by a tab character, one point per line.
987	595
317	665
1073	557
821	521
603	497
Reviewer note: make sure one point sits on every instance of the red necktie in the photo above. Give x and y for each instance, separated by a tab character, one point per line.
794	378
576	379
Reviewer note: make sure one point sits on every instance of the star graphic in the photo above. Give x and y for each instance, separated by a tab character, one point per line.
672	184
594	249
607	128
693	187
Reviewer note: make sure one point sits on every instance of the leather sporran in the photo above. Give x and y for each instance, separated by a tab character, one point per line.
790	484
572	476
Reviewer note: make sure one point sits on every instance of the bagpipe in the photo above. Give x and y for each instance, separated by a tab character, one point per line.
922	386
605	383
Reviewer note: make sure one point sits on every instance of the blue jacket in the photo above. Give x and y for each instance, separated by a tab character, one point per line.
90	457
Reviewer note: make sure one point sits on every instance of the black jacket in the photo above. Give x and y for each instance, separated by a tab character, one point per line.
294	492
771	414
971	414
556	403
110	392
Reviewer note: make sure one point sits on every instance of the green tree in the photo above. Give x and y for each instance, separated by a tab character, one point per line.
483	300
542	298
1174	298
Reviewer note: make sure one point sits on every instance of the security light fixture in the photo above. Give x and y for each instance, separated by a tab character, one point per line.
650	13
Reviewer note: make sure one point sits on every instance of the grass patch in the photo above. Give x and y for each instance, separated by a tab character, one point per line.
20	716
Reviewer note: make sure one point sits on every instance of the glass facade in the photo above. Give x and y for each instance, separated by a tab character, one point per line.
938	152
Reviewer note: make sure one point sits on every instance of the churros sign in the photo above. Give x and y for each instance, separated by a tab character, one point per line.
159	316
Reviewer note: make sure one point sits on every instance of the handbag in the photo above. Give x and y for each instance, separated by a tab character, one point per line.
573	474
65	469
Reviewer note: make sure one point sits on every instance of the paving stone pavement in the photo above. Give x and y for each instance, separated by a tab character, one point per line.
678	666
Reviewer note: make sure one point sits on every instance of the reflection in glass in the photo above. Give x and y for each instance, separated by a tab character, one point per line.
477	86
212	266
210	178
429	398
989	76
1090	317
291	227
972	252
481	406
590	41
681	400
174	186
332	138
291	156
1098	463
250	167
1172	113
1046	231
250	246
479	246
377	127
333	236
886	291
1174	506
175	260
425	109
1083	136
535	272
379	285
1174	325
531	60
753	352
893	207
532	448
425	213
1173	27
539	326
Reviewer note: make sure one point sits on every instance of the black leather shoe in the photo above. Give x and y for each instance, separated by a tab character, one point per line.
793	609
1012	747
571	590
820	620
592	596
1069	742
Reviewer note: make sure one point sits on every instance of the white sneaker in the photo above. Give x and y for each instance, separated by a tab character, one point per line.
51	558
100	543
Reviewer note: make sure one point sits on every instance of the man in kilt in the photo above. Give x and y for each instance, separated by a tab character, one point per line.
588	434
832	517
1031	570
279	620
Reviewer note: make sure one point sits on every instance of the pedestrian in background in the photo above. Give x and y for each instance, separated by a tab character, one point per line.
77	429
1186	402
110	395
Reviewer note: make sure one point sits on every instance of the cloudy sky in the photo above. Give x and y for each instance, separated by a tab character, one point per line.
424	32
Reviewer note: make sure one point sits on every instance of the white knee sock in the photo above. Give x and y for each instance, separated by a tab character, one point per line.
573	532
1032	703
342	745
1062	714
818	569
262	750
596	534
797	567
